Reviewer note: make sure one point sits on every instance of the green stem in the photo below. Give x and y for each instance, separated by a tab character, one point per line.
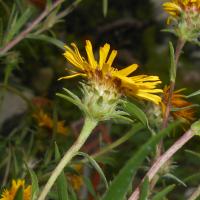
89	125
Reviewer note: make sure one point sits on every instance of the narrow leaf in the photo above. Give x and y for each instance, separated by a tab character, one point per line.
144	189
49	39
19	194
89	186
172	63
135	111
96	166
160	195
120	184
105	7
34	184
193	94
61	182
193	153
171	176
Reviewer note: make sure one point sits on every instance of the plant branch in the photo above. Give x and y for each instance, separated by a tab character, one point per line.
33	24
163	159
86	131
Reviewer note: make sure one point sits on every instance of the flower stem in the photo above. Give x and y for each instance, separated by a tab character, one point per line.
163	159
89	125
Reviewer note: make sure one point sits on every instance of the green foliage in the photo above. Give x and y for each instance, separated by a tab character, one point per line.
34	184
61	182
120	184
19	194
173	64
160	195
96	166
144	190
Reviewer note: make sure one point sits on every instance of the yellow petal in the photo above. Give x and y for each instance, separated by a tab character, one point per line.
73	59
128	70
154	98
103	53
72	76
90	54
112	57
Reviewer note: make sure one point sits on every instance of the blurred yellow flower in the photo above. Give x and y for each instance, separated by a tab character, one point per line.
44	120
9	194
176	7
103	75
76	180
178	101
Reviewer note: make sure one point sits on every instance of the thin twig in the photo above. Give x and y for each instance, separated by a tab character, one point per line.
163	159
24	33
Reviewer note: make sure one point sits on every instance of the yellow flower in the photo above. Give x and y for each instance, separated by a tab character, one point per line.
178	101
76	180
102	75
175	7
47	122
16	185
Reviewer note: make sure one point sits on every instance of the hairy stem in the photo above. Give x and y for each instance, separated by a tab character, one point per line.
86	131
163	159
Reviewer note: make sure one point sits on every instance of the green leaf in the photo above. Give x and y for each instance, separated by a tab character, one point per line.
19	194
18	23
144	189
193	153
120	184
183	108
172	63
72	194
105	7
89	186
192	178
61	182
49	39
96	166
160	195
34	184
193	94
173	177
135	111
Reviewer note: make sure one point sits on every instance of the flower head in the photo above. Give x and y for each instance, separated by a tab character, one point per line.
44	120
176	7
9	194
182	108
186	15
105	78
